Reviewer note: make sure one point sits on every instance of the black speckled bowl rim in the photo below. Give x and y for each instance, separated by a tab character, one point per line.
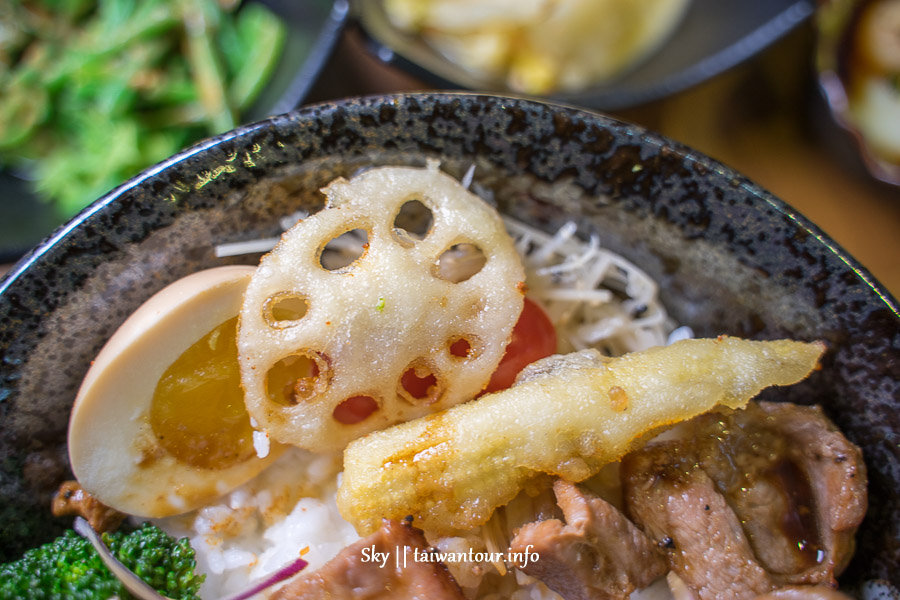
729	257
34	257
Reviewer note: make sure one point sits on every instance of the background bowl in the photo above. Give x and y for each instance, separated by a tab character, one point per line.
840	70
729	257
712	37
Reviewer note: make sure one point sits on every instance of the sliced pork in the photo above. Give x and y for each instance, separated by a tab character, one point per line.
596	553
836	475
72	499
751	501
358	573
678	506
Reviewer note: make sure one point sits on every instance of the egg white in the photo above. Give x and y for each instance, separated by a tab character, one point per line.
112	448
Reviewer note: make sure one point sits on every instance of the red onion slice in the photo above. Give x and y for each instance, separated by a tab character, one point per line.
277	577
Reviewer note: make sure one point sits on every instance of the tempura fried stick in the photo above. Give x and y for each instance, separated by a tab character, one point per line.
567	416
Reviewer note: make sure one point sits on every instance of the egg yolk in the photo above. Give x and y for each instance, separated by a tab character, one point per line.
198	413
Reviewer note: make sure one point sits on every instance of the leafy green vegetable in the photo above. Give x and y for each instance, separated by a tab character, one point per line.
96	90
69	567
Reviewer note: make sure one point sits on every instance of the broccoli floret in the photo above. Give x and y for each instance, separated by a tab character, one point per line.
70	568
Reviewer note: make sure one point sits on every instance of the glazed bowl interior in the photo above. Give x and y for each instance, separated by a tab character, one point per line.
729	259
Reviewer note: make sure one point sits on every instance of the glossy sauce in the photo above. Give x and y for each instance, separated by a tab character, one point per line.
798	522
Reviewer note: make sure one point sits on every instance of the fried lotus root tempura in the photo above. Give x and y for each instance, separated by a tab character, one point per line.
330	354
566	416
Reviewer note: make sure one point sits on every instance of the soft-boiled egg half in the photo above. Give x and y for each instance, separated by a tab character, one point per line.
159	426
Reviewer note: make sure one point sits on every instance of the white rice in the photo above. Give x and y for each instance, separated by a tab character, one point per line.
286	512
595	299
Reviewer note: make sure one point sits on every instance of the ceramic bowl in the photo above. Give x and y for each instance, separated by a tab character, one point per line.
729	257
711	37
842	74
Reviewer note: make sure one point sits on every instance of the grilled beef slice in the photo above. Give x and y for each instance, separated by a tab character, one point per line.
751	501
597	554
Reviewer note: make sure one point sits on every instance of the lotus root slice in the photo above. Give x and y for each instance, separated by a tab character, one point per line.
413	323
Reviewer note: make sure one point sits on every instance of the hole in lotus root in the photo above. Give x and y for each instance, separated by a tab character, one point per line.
459	263
460	347
296	378
412	223
342	251
284	309
419	384
355	409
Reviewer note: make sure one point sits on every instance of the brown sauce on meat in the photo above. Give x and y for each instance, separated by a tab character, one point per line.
798	522
751	500
754	468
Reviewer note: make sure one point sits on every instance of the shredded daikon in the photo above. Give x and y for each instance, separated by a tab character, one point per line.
594	297
246	247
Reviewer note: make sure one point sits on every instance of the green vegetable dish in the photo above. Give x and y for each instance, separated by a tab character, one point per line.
96	90
70	567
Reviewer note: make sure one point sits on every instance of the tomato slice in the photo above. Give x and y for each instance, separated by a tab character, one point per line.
355	409
416	386
533	337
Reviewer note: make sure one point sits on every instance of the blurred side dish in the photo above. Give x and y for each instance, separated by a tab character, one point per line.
540	46
859	56
96	90
875	88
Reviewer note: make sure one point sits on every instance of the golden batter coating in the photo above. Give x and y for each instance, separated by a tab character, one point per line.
567	416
